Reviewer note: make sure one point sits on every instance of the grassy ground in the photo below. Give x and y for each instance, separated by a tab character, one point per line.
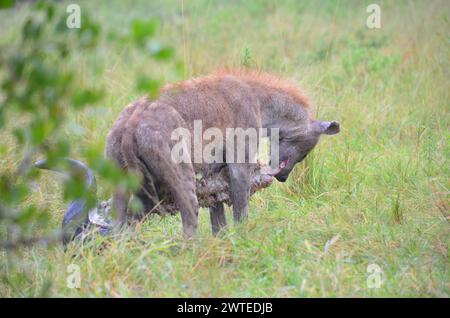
377	193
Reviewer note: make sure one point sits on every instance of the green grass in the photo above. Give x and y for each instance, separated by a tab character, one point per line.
376	193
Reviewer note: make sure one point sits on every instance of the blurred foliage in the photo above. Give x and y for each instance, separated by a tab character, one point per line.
39	86
142	33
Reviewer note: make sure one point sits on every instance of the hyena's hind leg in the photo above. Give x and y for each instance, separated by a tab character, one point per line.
179	178
114	152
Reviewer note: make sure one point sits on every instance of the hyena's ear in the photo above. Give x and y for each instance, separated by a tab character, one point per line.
326	127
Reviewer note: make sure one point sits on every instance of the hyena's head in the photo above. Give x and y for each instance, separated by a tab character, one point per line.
296	142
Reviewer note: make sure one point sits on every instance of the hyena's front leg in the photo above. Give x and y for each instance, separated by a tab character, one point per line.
240	181
218	219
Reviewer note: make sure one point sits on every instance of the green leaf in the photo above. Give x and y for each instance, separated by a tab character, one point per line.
57	151
18	192
31	29
135	205
16	65
47	7
160	52
142	30
74	187
148	85
5	4
42	74
27	215
89	32
131	182
40	130
85	97
19	133
50	12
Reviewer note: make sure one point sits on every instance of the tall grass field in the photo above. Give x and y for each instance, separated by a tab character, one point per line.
365	215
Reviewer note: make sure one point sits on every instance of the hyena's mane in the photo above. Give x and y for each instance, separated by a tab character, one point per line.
252	77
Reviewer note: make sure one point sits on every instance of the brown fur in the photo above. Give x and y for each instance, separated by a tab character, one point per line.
140	139
254	78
